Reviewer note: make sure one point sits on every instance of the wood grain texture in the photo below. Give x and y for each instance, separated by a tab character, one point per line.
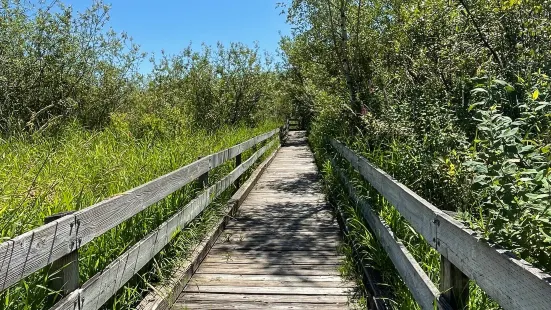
511	282
282	244
254	305
31	251
280	290
272	269
96	291
231	298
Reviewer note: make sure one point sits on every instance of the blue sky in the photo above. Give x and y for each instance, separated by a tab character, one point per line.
171	24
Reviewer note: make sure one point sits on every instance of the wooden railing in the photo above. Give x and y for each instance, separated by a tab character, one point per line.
511	282
283	132
56	244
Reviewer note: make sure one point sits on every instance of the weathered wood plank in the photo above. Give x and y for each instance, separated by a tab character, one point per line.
267	283
420	285
281	278
264	237
273	241
255	305
511	282
271	269
276	226
307	299
268	290
235	236
263	269
303	217
31	251
299	221
283	260
278	247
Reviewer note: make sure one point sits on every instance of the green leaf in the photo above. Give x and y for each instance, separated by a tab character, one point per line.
480	179
541	106
478	90
536	196
508	133
505	84
474	105
535	94
526	148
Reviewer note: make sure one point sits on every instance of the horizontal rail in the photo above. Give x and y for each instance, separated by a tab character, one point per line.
511	282
423	290
377	300
164	295
33	250
96	291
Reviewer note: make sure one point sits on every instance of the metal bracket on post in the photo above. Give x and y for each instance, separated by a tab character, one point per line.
63	275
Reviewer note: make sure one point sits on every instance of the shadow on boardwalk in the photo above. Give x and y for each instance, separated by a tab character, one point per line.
281	248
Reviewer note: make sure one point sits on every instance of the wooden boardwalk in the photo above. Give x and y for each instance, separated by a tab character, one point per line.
280	250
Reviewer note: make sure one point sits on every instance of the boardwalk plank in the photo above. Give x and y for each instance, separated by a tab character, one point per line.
296	299
280	252
280	290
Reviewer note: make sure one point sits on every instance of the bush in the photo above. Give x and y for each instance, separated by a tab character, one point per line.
56	66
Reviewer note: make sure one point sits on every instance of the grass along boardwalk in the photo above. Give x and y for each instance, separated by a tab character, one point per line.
280	252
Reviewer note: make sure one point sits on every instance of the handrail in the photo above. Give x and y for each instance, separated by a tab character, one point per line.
422	288
512	283
36	249
96	291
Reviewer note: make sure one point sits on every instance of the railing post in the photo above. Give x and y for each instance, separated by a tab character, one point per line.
237	182
283	132
203	179
454	284
63	273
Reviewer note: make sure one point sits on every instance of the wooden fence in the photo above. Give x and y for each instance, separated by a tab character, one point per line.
511	282
56	244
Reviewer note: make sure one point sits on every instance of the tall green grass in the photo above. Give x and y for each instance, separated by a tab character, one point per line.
41	176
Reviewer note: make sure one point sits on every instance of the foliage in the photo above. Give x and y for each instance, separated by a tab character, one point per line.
57	64
216	88
449	97
511	171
